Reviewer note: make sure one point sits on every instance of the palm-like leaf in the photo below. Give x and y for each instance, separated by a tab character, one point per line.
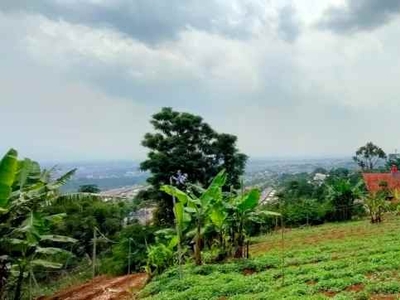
8	169
57	238
45	264
173	191
59	182
250	200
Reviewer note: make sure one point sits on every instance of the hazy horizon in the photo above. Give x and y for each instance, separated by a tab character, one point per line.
79	80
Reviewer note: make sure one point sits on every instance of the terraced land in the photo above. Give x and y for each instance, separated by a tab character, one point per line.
355	260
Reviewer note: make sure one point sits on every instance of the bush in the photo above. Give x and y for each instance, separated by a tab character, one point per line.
135	236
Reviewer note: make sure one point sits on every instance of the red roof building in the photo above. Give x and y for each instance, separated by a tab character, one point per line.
377	181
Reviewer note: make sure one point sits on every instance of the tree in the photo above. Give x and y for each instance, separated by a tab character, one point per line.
89	188
393	160
368	156
85	213
183	141
342	194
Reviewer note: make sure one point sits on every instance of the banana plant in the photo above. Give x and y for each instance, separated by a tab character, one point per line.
198	207
25	243
244	209
376	205
24	192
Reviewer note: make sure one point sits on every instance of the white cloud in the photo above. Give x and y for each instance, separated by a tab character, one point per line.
92	89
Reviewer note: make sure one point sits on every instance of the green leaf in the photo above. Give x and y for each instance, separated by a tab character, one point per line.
23	171
32	227
50	250
178	211
269	213
250	200
218	217
46	264
173	242
8	170
173	191
58	238
59	182
190	210
54	219
214	191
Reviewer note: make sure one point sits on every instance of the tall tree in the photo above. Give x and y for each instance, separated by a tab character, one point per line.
368	156
184	142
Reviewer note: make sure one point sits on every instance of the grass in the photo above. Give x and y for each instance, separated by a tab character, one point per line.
354	260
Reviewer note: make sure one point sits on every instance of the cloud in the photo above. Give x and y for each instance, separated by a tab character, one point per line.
359	15
199	64
153	21
289	25
86	88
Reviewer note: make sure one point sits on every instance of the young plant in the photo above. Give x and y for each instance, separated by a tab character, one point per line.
376	205
244	209
198	207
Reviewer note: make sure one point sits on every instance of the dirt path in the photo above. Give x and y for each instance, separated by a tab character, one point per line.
104	288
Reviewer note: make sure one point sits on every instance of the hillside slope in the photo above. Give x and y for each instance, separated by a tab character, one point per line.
355	260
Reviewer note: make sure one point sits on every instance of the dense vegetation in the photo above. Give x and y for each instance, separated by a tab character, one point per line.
184	142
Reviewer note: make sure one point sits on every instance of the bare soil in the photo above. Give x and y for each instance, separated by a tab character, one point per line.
104	288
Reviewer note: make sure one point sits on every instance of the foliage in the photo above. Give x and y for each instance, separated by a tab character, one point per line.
228	215
200	207
376	204
135	237
321	262
89	188
393	160
368	156
183	141
86	212
306	211
241	210
342	194
160	256
24	229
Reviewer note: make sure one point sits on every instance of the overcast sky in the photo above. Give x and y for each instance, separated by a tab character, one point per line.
80	79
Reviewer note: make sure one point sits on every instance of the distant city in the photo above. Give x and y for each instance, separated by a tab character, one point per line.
125	178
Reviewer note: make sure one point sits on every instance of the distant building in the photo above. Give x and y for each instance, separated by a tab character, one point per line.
143	216
378	181
320	178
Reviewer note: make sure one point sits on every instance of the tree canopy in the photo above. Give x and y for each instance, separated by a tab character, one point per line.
184	142
368	156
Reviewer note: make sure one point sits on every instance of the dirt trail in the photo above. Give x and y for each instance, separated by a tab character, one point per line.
103	288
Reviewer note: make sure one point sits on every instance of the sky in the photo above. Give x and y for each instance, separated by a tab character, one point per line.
80	79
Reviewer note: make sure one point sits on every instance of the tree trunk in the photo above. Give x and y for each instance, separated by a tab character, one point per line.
197	247
240	242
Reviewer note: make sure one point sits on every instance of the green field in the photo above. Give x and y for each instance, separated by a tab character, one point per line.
355	260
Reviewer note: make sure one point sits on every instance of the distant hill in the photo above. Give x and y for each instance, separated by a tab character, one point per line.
109	175
105	174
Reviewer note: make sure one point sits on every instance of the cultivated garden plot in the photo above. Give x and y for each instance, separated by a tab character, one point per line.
355	260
